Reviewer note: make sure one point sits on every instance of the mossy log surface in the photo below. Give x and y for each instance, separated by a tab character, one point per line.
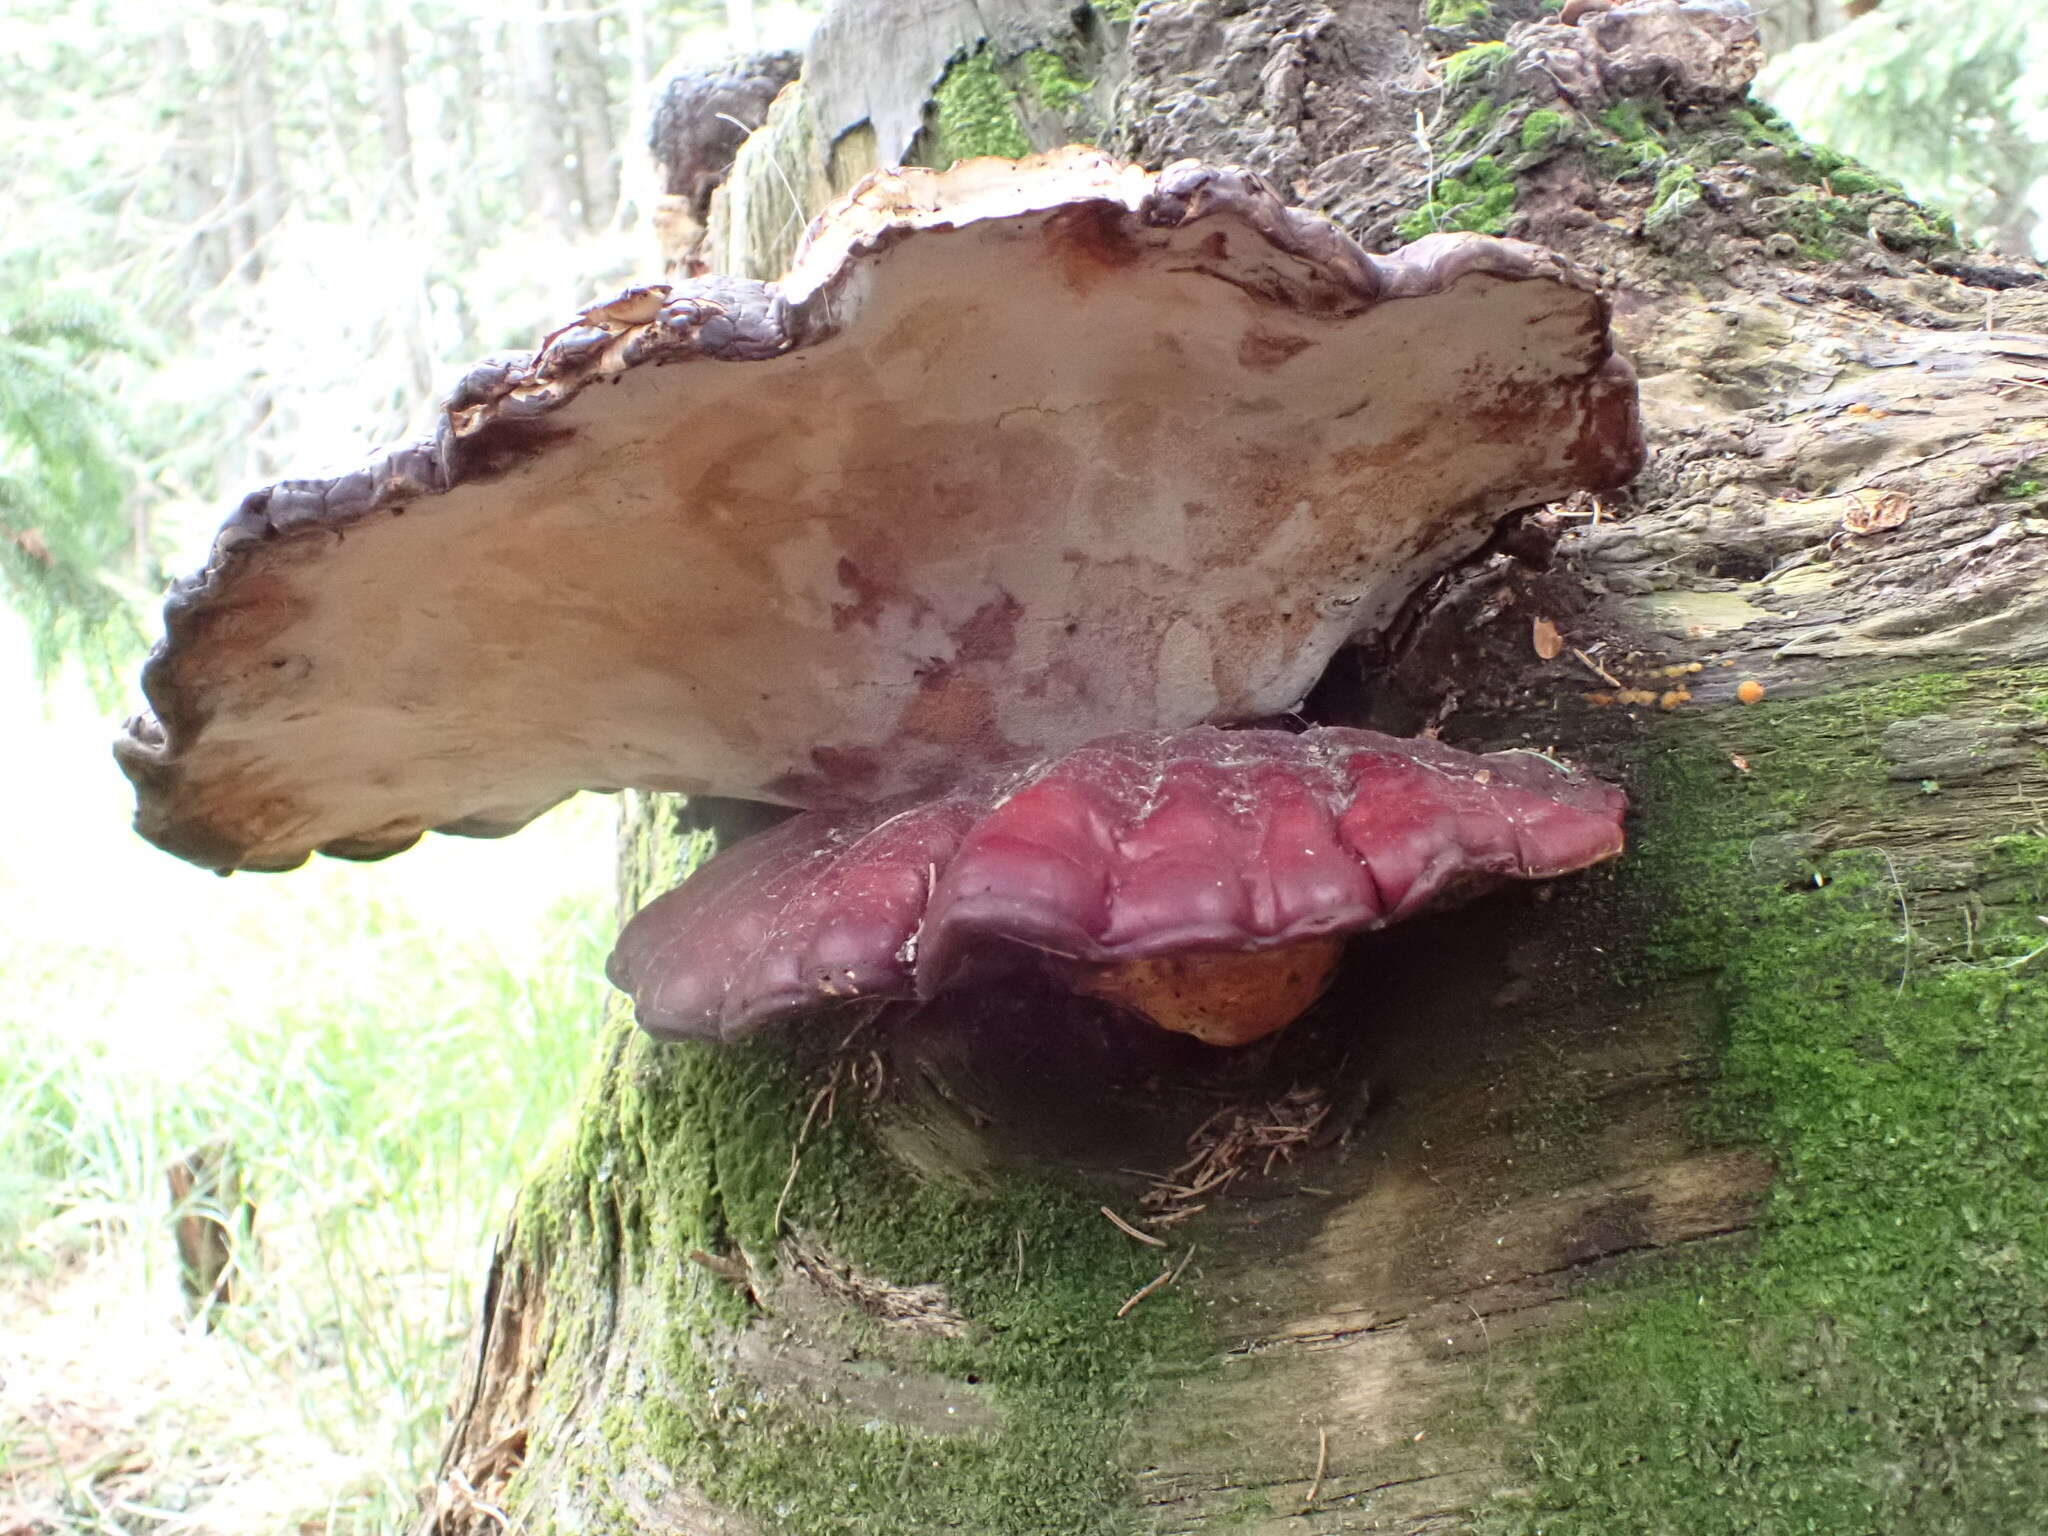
1702	1194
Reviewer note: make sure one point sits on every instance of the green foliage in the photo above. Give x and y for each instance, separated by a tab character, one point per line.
1051	81
380	1144
316	214
65	531
974	113
1952	99
1879	1363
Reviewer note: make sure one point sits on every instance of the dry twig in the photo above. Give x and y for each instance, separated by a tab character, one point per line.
1130	1231
1315	1487
828	1098
1229	1144
1596	669
1164	1278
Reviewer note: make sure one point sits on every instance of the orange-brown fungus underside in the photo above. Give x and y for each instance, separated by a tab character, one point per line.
1221	996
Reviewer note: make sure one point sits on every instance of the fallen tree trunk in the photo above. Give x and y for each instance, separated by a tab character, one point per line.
1702	1195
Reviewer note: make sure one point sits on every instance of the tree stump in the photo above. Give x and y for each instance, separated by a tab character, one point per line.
212	1215
1699	1194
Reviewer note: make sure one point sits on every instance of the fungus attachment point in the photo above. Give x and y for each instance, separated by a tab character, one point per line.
1220	996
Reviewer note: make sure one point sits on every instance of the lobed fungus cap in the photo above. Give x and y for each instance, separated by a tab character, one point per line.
1133	848
1017	455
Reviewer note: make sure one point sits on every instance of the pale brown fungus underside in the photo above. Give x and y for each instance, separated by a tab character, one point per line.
1016	456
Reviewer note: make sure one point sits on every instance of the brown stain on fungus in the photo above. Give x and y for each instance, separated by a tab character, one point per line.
990	632
872	593
956	712
226	638
1264	351
841	772
1091	242
499	444
1351	463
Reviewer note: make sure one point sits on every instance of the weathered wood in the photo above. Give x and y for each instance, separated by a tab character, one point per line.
213	1216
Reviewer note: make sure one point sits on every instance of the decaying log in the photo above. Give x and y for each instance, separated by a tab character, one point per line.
904	1316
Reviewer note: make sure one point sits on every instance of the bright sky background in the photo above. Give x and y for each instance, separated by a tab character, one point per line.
158	956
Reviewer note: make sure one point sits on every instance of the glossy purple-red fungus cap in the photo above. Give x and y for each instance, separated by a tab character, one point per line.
1129	848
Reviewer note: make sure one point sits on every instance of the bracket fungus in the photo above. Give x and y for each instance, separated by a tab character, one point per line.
1200	878
1019	456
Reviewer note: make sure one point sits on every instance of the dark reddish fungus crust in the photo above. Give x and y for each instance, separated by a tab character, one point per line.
278	725
1129	848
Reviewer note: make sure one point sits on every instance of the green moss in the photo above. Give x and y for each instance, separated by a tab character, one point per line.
1051	81
973	113
1821	761
1479	62
1541	130
2022	482
1473	122
1629	122
1811	164
1880	1364
1458	13
1818	222
1632	141
690	1148
1116	10
1481	199
1852	182
1821	198
1845	197
1677	194
1913	229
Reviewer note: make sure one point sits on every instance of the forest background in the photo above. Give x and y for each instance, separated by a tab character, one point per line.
245	241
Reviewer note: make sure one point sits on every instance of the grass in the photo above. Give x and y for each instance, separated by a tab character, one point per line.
387	1048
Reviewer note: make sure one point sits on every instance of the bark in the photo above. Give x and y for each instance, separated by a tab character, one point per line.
461	46
248	150
550	182
256	108
394	119
580	58
190	152
858	1278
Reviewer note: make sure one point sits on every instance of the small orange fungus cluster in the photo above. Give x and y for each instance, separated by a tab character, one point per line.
1668	697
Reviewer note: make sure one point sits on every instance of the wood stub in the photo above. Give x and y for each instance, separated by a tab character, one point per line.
213	1216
